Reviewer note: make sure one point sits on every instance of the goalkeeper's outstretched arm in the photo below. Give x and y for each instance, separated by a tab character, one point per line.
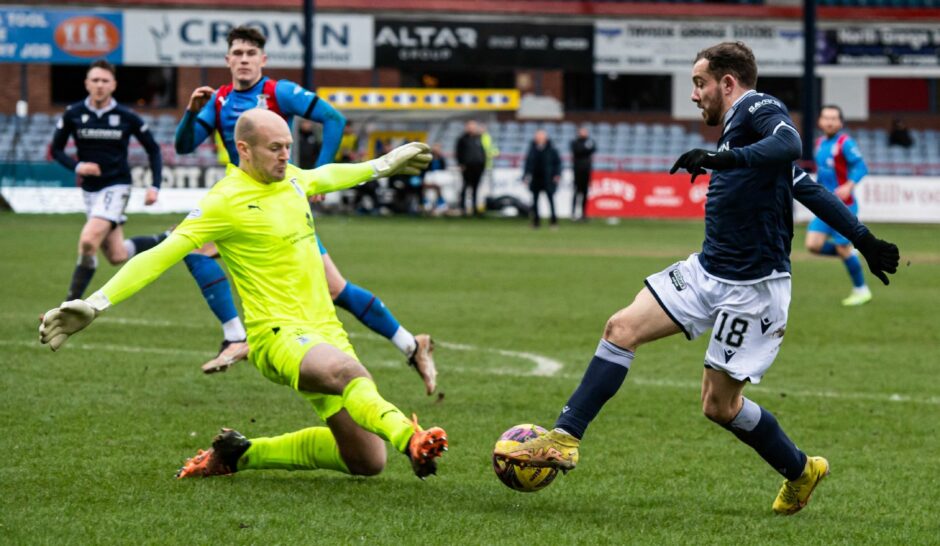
73	316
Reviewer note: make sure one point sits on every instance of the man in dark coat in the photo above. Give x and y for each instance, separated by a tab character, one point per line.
471	157
542	172
582	148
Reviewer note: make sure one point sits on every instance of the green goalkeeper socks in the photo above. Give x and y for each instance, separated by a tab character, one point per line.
372	412
308	449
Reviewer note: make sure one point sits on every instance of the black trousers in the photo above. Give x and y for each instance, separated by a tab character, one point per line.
549	191
471	181
582	179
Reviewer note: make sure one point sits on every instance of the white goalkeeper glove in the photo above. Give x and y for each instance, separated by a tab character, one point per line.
411	158
67	319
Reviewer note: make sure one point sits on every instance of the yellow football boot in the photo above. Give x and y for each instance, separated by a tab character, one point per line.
794	495
554	449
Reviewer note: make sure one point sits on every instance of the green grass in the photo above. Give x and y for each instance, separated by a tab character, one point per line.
91	436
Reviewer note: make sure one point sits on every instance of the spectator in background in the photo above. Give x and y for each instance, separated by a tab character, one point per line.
900	135
348	151
542	172
308	145
582	149
471	157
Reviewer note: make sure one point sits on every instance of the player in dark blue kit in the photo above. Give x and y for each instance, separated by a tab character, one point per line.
738	285
218	110
102	129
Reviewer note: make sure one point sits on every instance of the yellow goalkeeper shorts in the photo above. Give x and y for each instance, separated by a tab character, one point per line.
278	355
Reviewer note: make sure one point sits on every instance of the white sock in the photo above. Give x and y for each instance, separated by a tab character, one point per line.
130	247
233	330
860	289
404	341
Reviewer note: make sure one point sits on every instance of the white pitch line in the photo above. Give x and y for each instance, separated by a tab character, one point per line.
544	366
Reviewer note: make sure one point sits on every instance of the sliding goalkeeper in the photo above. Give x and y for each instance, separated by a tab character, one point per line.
259	217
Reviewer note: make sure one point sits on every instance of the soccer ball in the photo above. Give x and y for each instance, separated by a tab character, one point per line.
526	479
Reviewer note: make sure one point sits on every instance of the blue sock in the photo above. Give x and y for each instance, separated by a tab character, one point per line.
214	285
854	265
369	309
759	429
828	249
601	381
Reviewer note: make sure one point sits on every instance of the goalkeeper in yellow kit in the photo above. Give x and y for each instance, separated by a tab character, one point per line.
259	217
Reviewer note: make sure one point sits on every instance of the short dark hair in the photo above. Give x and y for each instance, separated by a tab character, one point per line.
733	58
247	34
833	107
103	64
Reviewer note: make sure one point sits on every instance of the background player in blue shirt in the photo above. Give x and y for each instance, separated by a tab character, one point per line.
102	129
738	286
218	110
839	167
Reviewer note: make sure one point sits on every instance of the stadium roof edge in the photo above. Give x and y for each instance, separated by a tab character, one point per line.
549	8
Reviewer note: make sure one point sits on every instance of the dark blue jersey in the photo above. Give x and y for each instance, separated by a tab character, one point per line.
749	208
102	137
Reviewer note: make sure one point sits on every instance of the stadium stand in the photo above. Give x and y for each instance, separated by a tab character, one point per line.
621	146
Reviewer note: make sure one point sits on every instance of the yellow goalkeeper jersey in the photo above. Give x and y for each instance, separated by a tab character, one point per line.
265	234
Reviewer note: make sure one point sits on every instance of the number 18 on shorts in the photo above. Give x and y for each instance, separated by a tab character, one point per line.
747	321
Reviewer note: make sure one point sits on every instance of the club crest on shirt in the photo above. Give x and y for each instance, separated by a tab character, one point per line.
262	101
195	213
114	120
84	118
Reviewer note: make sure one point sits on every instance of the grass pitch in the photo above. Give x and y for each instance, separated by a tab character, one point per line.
91	436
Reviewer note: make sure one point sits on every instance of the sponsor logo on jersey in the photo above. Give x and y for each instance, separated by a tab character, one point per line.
725	146
757	105
677	281
729	354
101	134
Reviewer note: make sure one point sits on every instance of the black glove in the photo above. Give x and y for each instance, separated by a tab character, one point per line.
882	256
697	160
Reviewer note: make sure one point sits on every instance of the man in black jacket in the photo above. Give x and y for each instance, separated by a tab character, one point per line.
471	157
582	148
542	172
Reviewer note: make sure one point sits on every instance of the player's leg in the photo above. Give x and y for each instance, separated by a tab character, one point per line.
217	292
343	446
861	294
326	369
643	321
369	309
723	403
749	327
817	238
92	235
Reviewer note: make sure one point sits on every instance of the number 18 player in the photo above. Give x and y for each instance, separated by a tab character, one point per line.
738	285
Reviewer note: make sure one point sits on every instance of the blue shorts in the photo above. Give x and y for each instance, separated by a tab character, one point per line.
322	248
819	226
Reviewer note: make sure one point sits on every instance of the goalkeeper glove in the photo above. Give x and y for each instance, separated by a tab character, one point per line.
697	160
411	158
882	256
72	316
